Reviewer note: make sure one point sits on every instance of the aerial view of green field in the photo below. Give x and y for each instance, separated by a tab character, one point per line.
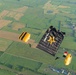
35	17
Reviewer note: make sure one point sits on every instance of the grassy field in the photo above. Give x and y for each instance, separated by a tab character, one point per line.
23	64
1	52
4	43
24	50
15	61
5	72
69	44
36	19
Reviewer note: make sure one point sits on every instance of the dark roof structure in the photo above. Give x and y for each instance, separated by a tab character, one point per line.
46	46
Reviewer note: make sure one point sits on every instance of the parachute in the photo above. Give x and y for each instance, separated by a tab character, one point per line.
51	40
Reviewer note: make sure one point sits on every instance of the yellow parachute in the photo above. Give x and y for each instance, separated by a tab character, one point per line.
25	36
68	59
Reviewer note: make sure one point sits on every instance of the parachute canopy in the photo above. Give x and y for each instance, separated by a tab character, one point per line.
25	36
68	59
51	40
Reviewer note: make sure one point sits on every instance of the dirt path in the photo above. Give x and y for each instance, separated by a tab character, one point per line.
14	37
9	35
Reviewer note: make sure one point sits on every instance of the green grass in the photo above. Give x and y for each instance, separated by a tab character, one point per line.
24	50
28	72
4	43
16	4
69	43
6	72
37	22
15	61
1	52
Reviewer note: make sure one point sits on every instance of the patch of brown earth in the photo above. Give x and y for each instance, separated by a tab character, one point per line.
3	13
17	26
4	23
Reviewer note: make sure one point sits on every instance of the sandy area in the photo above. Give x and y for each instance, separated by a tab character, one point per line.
3	13
14	13
4	23
22	9
11	14
17	26
18	16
